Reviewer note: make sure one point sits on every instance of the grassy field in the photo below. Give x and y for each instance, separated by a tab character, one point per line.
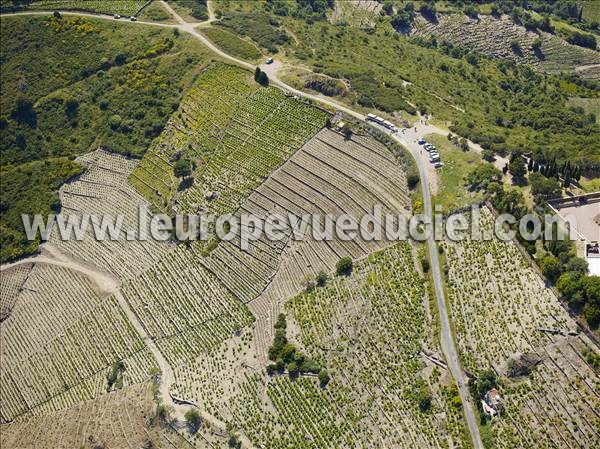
457	163
591	9
156	13
589	105
230	43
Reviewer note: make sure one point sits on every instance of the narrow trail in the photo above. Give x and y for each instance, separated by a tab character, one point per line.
105	283
447	340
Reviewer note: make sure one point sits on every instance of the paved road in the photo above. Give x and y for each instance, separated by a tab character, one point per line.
447	341
448	346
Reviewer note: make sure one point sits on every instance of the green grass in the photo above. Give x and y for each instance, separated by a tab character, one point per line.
591	185
589	105
457	163
156	13
591	10
190	10
258	27
230	43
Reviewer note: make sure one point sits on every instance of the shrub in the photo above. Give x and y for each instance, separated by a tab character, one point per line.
192	418
324	377
344	266
182	168
321	278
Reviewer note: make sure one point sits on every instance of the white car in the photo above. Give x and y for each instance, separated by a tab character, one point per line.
133	18
438	164
116	16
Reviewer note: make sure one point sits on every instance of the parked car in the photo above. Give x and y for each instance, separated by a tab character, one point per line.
133	18
422	141
438	164
269	61
116	16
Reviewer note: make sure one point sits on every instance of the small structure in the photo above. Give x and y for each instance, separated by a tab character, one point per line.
209	196
492	403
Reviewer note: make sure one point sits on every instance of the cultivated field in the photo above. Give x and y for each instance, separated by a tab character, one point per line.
103	190
123	7
11	282
359	13
327	175
235	131
351	327
501	309
184	307
493	37
116	420
231	44
60	341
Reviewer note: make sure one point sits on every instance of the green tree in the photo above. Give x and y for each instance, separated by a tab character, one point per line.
193	420
263	79
182	168
480	176
550	267
324	377
517	167
344	266
321	278
347	130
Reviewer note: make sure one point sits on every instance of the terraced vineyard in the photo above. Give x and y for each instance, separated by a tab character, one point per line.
11	282
183	307
329	174
493	37
60	341
349	326
103	190
123	7
501	310
236	131
359	13
122	418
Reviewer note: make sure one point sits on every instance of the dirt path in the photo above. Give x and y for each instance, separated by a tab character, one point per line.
104	283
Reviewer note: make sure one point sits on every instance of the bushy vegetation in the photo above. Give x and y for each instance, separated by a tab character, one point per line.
111	87
124	7
308	10
193	420
344	266
29	188
265	31
287	357
496	103
197	8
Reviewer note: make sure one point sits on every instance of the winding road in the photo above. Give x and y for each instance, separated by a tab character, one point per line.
447	340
